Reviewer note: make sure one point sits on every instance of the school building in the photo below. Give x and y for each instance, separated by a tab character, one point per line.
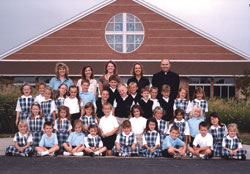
128	31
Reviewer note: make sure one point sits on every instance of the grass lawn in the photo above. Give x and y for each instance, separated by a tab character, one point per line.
245	138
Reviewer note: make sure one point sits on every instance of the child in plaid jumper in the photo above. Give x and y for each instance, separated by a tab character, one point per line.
22	142
151	140
162	124
199	99
63	125
48	106
180	122
24	103
61	94
182	101
35	124
89	118
218	131
125	144
232	147
93	142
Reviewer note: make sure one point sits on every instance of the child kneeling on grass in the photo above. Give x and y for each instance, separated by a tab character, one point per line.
203	143
75	142
173	146
48	145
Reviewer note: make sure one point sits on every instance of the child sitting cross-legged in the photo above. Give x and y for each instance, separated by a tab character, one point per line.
173	146
125	144
93	142
75	142
49	143
203	143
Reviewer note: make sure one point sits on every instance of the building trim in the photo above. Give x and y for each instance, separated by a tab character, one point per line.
117	60
192	28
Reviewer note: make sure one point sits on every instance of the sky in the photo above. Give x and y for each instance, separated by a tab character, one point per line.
225	20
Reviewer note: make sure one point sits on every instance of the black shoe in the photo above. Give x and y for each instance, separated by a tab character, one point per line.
133	155
243	157
9	154
91	154
116	153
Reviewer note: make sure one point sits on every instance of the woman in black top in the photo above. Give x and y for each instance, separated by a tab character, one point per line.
137	73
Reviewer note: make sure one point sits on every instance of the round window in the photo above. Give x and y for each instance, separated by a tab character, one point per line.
124	33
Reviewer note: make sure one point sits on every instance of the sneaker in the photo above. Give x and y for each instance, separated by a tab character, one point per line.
177	156
124	155
52	154
204	157
116	153
91	154
67	153
190	155
78	154
243	157
38	154
44	153
9	154
96	153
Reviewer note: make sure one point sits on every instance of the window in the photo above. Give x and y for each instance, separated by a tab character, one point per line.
224	87
203	82
124	33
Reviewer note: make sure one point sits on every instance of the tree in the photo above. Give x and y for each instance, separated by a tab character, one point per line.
243	83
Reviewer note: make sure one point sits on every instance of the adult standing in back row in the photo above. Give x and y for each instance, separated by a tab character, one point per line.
165	76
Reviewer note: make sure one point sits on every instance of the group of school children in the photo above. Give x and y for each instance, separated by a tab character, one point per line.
122	122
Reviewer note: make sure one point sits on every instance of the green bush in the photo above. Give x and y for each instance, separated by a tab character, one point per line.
232	111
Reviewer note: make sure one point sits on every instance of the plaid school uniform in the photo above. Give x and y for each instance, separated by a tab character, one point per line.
203	104
59	102
46	110
36	129
182	104
150	138
162	128
25	107
62	131
87	121
181	125
235	141
21	141
218	135
94	141
126	146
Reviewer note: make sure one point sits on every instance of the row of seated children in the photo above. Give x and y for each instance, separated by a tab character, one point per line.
109	127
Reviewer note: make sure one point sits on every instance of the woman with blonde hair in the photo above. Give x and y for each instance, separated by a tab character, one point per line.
62	77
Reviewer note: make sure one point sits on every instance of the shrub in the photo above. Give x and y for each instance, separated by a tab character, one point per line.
232	111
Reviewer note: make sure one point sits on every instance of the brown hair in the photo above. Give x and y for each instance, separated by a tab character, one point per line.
114	77
68	116
32	116
51	92
133	69
113	63
158	108
199	90
85	81
136	107
152	88
165	88
78	122
77	94
58	92
107	104
90	105
83	72
144	90
93	126
176	128
26	84
42	84
62	65
187	94
126	124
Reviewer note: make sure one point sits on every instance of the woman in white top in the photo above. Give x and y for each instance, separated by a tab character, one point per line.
87	73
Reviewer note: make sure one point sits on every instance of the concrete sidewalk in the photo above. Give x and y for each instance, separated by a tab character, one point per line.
5	142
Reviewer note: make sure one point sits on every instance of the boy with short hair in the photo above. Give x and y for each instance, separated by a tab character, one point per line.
75	142
146	104
48	145
172	146
203	143
85	95
166	103
123	104
113	91
125	143
132	88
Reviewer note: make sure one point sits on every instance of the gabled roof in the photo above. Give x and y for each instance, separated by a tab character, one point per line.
141	2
